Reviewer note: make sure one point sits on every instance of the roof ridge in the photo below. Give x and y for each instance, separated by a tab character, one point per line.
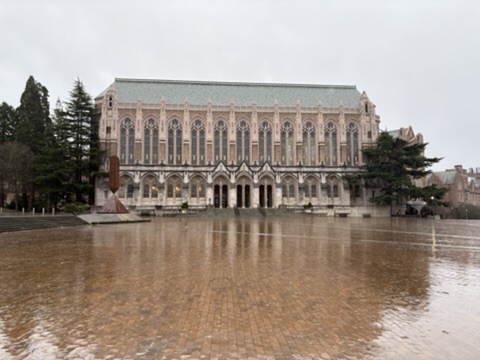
233	83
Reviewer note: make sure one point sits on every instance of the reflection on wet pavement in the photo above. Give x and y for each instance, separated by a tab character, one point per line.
301	287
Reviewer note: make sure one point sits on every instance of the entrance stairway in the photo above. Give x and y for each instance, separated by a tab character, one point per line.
10	223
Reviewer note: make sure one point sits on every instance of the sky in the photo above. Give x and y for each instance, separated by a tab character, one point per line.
417	60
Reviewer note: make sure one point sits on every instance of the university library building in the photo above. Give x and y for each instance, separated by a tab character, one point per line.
235	145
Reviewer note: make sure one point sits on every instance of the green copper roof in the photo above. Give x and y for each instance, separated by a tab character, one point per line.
242	94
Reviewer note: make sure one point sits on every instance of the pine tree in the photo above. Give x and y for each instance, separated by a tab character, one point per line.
7	125
392	166
31	128
7	122
53	173
82	141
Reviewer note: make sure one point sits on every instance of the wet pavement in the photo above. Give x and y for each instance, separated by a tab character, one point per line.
300	287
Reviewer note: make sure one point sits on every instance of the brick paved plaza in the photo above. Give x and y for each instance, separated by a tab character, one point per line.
299	287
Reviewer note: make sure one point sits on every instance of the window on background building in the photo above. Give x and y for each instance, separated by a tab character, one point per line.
243	141
264	142
352	144
127	141
220	141
125	189
150	188
174	187
288	188
150	142
197	188
310	186
287	143
330	144
198	142
174	142
309	146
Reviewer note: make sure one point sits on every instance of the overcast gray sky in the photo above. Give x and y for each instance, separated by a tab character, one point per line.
418	60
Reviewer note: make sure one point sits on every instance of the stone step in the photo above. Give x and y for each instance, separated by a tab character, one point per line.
10	223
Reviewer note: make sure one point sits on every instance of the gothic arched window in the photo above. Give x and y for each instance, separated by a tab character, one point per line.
330	144
287	144
220	144
150	188
197	188
264	142
125	190
198	142
309	147
352	144
174	142
243	141
311	186
174	187
127	141
150	142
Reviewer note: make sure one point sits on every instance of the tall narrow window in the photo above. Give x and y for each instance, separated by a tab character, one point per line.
127	141
150	188
331	144
220	144
310	189
150	142
175	142
174	187
125	190
352	144
288	189
243	141
264	142
198	142
197	189
309	150
286	143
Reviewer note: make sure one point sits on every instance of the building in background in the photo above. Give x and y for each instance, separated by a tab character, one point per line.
243	145
463	185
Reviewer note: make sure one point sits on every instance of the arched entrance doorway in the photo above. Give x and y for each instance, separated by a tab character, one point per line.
243	193
265	193
220	193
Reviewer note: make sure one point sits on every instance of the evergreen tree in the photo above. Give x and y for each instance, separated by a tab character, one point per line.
16	165
53	173
31	128
7	125
80	132
7	122
392	166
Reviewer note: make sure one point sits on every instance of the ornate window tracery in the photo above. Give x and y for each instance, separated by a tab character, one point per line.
127	141
287	144
174	188
174	142
198	142
352	144
150	188
331	144
243	141
150	141
220	141
264	142
309	146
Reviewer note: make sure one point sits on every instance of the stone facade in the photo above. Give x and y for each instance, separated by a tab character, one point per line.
463	186
234	144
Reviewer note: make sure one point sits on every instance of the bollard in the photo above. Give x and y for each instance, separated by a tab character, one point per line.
23	211
33	211
43	211
53	211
